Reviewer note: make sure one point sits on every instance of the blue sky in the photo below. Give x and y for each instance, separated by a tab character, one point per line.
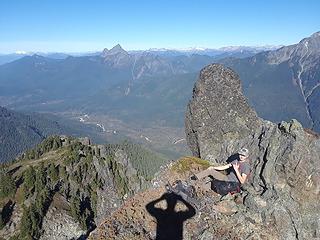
73	26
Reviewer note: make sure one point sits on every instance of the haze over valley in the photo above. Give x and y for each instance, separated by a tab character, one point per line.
111	112
141	95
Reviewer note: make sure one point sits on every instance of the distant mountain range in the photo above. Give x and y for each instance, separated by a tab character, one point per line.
235	51
6	58
149	89
114	82
231	51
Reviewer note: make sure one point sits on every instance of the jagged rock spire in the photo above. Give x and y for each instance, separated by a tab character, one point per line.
218	112
117	49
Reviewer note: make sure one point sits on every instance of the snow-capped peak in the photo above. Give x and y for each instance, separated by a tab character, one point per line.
20	52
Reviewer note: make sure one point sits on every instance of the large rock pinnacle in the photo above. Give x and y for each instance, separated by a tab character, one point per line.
284	185
218	113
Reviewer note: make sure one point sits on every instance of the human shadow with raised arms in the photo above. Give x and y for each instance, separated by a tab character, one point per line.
170	222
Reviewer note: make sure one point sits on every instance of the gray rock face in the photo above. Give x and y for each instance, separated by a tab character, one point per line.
108	199
284	185
58	225
116	57
311	45
217	114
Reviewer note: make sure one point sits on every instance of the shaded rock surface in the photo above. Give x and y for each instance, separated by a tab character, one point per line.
12	227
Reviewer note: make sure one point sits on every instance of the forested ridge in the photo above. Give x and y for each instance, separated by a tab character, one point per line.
71	168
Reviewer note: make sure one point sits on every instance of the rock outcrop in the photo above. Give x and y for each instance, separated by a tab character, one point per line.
218	114
285	180
59	225
81	185
12	227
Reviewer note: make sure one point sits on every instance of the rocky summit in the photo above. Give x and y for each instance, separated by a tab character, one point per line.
280	200
285	187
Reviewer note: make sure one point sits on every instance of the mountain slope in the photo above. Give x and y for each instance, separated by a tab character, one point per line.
65	186
285	83
20	131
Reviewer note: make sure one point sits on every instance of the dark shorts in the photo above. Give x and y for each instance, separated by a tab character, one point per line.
223	188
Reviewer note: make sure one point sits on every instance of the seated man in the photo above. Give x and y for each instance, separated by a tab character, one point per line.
223	184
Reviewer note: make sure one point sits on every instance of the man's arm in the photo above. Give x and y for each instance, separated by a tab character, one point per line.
224	167
242	177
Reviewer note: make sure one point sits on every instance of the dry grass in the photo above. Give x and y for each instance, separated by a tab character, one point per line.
50	157
19	197
187	164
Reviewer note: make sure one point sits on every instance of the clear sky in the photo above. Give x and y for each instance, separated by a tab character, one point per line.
90	25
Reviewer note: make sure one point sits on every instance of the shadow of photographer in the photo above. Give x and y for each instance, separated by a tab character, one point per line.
170	222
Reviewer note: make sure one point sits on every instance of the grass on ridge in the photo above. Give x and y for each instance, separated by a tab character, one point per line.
188	163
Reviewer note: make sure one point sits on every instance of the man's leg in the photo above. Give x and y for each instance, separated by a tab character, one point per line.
214	173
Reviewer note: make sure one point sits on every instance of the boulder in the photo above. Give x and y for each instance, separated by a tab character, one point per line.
218	116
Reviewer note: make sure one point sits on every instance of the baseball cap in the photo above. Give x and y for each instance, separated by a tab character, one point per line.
243	152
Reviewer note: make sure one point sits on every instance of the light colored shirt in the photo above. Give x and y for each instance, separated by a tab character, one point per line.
244	167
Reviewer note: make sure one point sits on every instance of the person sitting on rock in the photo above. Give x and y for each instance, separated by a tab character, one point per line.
238	174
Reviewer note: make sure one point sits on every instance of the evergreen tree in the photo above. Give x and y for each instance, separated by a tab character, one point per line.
62	172
75	207
42	201
30	224
7	185
40	182
29	180
53	173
